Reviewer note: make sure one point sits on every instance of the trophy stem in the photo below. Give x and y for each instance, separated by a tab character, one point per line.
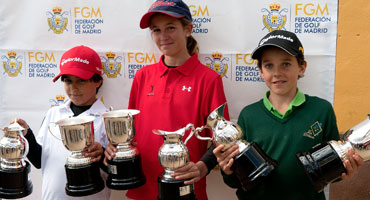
77	159
341	149
12	164
125	151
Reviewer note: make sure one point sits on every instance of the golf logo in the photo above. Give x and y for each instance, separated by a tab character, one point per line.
111	66
57	20
12	64
217	63
274	20
59	100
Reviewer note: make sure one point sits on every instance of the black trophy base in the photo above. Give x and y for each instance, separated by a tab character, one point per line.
125	174
322	165
175	189
252	166
15	184
83	180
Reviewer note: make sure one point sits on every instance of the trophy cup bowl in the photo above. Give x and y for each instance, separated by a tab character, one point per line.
124	170
14	170
171	155
251	165
324	163
83	175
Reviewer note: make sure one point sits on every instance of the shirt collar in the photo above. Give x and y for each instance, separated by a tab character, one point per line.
95	109
298	100
185	69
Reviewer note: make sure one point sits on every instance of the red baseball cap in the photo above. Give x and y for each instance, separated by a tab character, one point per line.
80	61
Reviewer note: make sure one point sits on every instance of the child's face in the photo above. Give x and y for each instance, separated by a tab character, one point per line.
81	92
280	71
169	34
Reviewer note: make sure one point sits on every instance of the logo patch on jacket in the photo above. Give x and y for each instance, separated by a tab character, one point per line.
315	129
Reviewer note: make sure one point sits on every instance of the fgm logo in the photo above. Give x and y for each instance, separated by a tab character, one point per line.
274	20
59	100
217	63
12	64
57	22
111	66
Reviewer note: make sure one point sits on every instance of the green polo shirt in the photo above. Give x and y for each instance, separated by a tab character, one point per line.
298	100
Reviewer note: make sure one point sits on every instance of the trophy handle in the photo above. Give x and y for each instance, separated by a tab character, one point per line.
158	132
198	130
52	132
191	127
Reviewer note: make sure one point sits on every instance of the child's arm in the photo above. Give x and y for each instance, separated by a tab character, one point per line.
35	149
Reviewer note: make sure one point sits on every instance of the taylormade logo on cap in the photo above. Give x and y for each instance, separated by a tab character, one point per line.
76	59
276	36
161	3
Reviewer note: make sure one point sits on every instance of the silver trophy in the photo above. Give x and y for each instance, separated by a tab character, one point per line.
83	175
174	154
324	163
124	170
14	170
251	165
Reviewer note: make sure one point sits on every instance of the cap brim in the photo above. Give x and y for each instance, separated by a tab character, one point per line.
257	52
82	74
144	22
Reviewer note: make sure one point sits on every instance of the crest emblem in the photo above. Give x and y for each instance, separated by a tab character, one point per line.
59	100
217	63
274	20
12	64
111	66
315	129
57	22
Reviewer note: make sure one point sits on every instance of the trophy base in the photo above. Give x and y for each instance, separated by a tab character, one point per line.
83	180
15	184
175	189
125	174
322	165
252	166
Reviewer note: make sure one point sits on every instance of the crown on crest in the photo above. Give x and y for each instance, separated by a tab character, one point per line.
57	10
275	7
60	97
216	55
12	54
110	54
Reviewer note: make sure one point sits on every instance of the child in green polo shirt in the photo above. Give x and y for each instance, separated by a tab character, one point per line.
281	123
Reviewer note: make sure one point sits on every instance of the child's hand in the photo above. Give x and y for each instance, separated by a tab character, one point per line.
22	123
226	159
95	150
352	164
191	172
110	152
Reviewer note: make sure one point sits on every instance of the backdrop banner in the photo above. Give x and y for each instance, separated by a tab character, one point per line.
34	35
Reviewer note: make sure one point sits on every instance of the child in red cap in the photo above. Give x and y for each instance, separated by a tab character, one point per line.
170	94
81	74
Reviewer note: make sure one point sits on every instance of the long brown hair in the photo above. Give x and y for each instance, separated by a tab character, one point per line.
191	43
